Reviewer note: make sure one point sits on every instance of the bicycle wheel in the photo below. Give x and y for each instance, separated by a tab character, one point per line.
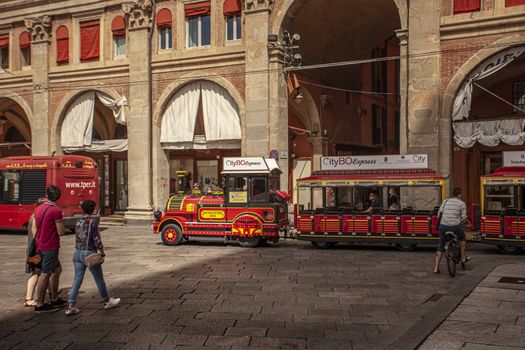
451	253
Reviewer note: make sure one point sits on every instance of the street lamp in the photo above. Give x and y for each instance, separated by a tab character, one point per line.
287	45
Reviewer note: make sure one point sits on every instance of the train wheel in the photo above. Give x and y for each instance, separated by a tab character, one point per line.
249	242
509	250
404	247
171	235
322	245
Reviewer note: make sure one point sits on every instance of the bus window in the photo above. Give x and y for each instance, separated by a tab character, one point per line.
238	190
258	190
10	193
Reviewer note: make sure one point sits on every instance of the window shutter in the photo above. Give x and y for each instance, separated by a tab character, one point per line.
232	8
197	9
4	41
25	40
462	6
62	35
509	3
118	26
164	19
89	40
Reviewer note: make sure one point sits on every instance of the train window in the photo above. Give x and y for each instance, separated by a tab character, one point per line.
10	187
259	190
238	190
499	197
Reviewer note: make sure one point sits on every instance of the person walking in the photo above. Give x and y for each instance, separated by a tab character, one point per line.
88	241
33	269
48	223
453	216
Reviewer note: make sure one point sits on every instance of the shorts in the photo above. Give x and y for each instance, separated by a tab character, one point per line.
458	231
50	261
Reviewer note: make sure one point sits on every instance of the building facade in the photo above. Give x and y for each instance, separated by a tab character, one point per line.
155	89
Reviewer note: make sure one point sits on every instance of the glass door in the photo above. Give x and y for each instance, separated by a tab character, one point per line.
121	184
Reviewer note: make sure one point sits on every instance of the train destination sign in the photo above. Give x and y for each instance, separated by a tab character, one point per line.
381	162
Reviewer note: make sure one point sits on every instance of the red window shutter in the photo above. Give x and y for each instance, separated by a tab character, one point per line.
232	8
164	18
197	9
62	36
509	3
4	41
89	40
24	40
118	26
462	6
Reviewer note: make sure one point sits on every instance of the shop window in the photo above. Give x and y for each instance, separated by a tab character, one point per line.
118	28
89	40
463	6
62	36
518	95
25	48
164	27
4	51
232	13
510	3
198	29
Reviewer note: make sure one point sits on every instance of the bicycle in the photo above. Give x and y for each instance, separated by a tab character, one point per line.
453	253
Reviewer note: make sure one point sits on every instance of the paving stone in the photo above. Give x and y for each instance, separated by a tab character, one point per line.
328	344
48	345
283	343
246	331
227	341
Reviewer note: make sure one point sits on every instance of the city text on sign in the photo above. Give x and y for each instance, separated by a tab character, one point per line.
246	163
407	161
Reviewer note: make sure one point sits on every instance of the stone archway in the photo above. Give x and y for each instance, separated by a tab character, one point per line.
15	128
449	94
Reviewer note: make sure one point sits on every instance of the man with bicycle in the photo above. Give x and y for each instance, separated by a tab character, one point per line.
453	217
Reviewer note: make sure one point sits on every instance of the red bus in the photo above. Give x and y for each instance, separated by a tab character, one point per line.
24	179
332	203
250	210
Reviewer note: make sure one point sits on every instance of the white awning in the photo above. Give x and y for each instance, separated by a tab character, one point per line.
222	125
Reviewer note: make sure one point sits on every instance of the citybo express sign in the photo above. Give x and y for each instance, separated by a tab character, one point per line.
407	161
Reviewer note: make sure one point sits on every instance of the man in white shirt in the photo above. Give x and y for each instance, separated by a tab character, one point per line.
453	213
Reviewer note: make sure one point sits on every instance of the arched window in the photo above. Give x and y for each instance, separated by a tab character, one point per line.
164	25
232	13
25	48
118	27
62	35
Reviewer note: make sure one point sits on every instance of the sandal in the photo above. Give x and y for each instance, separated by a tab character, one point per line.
436	271
29	302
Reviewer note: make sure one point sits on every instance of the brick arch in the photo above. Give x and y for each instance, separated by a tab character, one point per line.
56	124
452	88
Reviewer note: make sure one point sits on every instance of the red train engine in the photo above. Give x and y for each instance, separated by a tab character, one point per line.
250	209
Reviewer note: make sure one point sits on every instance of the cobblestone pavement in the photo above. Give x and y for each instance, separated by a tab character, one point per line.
491	317
217	296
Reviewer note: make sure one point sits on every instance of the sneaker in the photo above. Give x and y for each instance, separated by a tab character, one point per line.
111	303
45	308
58	303
72	311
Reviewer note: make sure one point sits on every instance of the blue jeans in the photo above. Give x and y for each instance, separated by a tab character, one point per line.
80	269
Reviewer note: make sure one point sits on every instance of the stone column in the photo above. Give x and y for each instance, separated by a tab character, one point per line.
139	23
40	30
256	138
424	79
278	121
402	34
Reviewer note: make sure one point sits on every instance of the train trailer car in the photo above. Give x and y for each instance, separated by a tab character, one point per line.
403	201
502	219
250	209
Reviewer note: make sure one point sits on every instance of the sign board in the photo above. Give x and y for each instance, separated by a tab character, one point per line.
284	154
516	158
406	161
244	163
274	154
